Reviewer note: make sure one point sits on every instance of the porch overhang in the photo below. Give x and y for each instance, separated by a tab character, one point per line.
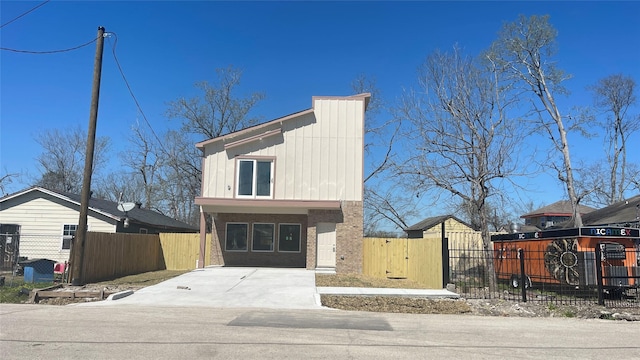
270	206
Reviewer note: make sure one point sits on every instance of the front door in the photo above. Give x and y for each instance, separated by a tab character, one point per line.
326	240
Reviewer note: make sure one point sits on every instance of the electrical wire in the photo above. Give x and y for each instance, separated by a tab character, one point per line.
113	50
23	14
49	51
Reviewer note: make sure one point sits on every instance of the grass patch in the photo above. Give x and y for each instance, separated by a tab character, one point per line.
16	291
359	280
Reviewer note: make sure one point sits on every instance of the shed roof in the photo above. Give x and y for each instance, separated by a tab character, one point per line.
430	222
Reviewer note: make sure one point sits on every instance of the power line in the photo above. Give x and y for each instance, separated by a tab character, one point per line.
23	14
113	50
49	51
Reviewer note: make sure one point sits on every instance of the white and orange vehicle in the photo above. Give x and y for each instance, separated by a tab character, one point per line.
568	257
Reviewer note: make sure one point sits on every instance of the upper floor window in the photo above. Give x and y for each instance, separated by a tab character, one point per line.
254	178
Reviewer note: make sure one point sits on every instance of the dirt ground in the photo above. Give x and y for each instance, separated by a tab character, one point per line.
481	307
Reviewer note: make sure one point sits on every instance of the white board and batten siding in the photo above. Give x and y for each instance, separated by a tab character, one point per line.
41	223
318	155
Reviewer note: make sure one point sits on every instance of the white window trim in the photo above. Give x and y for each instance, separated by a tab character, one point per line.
62	237
273	238
299	238
254	180
226	228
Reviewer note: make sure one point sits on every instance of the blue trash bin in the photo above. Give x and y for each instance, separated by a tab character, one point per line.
38	270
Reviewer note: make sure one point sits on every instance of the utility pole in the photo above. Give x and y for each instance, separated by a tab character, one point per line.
81	231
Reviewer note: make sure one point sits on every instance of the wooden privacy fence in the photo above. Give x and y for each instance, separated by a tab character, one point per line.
419	260
112	255
108	255
181	251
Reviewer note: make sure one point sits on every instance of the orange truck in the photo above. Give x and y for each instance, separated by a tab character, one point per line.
568	257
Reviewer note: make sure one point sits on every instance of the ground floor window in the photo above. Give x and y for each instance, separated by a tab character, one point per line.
289	238
236	237
68	232
263	237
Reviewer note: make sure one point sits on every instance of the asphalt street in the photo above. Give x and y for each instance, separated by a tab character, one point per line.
154	332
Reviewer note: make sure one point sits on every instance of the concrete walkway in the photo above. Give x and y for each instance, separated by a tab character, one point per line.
247	287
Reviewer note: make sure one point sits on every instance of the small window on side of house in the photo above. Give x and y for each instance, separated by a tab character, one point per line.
68	232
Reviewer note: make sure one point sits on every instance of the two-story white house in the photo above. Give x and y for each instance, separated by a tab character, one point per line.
288	192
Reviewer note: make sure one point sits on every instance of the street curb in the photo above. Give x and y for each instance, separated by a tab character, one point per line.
120	295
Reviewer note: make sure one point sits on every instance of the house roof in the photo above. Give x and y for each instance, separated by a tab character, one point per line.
620	213
430	222
558	208
110	209
234	136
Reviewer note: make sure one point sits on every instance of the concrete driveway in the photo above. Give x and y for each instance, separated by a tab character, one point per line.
229	287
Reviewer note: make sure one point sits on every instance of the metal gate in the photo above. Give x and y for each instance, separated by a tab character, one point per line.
9	246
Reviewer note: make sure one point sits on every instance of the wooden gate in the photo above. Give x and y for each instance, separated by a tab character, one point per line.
419	260
397	258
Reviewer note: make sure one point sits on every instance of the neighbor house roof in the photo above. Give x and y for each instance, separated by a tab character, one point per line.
558	208
620	213
430	222
110	209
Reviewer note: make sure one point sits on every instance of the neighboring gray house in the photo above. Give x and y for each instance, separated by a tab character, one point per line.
554	214
43	222
625	213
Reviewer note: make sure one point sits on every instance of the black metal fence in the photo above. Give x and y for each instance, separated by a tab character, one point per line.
606	276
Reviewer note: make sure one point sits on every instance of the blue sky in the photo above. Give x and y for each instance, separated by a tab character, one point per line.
291	51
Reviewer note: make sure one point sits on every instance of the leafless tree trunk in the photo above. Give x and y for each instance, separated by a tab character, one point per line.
615	94
524	48
462	140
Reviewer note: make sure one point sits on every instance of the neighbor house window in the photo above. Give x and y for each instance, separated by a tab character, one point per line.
254	178
263	237
68	232
236	237
289	238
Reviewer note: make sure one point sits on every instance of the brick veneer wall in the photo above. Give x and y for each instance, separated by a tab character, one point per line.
349	232
274	258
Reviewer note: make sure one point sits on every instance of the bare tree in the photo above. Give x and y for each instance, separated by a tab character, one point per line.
62	158
615	94
218	111
525	49
165	175
144	163
384	205
461	142
5	180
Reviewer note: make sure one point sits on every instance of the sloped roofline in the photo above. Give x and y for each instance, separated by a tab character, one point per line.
138	215
364	96
558	208
432	221
59	196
